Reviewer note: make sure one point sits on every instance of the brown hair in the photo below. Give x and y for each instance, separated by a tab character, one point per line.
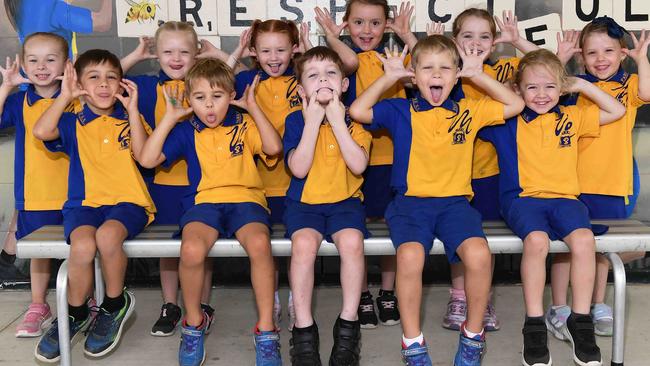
597	28
382	3
215	71
543	58
97	57
317	53
274	26
175	26
435	43
50	36
473	12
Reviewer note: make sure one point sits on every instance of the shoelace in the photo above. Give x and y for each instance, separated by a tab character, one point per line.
417	360
389	304
33	316
99	327
190	343
366	308
456	307
268	349
471	354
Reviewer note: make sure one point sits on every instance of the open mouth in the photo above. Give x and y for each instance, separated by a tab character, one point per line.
211	118
104	95
274	67
436	93
42	77
601	68
176	67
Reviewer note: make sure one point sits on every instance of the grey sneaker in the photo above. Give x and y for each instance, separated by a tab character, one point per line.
555	320
603	319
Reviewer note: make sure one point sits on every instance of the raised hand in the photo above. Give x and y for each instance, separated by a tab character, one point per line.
394	64
472	62
144	49
507	28
312	111
11	76
174	98
69	84
567	45
640	50
305	42
401	24
208	50
335	110
130	101
435	28
330	28
247	99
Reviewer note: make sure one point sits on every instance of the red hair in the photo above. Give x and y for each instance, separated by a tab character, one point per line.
274	26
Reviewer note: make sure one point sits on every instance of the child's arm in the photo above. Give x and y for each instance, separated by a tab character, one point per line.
208	50
610	108
301	158
130	102
151	155
356	158
140	53
103	18
473	69
640	55
46	128
305	43
394	70
332	33
401	24
567	45
11	78
271	142
510	33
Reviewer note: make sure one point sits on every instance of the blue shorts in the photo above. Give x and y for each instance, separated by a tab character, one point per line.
168	201
486	197
326	218
421	220
376	189
558	217
30	221
133	217
226	218
277	206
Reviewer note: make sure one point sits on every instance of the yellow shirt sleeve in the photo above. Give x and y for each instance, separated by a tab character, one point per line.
361	136
488	112
589	121
254	139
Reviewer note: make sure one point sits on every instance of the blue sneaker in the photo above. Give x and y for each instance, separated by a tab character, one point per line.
470	350
416	355
267	349
191	351
106	330
47	349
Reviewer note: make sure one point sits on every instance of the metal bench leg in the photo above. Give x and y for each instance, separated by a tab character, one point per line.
62	313
99	282
618	339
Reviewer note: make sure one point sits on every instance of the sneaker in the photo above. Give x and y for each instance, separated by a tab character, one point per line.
470	350
387	305
580	332
37	318
170	315
267	348
535	352
490	321
603	319
292	315
191	351
366	312
209	313
304	345
555	320
346	348
416	355
47	349
106	330
277	314
456	313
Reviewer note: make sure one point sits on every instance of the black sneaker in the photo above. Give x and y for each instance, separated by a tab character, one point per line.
209	312
580	332
304	345
366	311
535	351
170	315
387	305
346	349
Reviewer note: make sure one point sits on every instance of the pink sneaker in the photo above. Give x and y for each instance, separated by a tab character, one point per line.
37	317
456	312
490	321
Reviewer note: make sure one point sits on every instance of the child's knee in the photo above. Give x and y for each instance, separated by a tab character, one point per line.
582	243
350	244
259	247
478	257
536	244
410	257
109	239
304	248
192	252
83	252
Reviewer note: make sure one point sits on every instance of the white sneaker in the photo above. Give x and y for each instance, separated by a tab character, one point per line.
555	320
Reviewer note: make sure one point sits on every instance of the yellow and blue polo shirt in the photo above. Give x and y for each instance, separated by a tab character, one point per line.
538	154
40	176
220	160
434	145
371	69
605	163
485	156
329	180
152	106
277	97
102	169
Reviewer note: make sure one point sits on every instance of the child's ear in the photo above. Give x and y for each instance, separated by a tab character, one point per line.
515	87
253	52
233	94
301	92
295	49
345	84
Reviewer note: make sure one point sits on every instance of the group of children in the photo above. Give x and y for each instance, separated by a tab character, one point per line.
433	139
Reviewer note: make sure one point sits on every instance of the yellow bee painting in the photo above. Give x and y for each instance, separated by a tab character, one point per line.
141	11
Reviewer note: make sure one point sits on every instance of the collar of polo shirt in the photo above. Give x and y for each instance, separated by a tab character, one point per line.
529	115
33	97
420	104
86	115
233	117
620	77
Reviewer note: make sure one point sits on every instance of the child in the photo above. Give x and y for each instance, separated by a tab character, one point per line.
605	164
367	20
218	138
40	181
326	153
433	190
175	48
476	28
538	153
107	198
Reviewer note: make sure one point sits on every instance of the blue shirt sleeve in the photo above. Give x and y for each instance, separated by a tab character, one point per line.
67	135
147	96
176	143
72	18
388	113
12	111
293	126
242	80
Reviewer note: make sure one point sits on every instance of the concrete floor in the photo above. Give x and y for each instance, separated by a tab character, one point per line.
230	342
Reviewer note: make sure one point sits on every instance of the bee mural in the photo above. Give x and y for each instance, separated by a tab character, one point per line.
141	11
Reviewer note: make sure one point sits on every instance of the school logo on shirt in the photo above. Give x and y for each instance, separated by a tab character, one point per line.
124	138
460	126
504	71
563	130
621	92
292	94
237	139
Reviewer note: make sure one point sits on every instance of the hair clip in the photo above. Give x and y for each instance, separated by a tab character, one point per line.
614	30
161	22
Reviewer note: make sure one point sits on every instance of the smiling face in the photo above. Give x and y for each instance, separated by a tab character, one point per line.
366	24
602	55
176	53
274	51
43	61
539	88
102	82
210	103
323	77
435	75
475	33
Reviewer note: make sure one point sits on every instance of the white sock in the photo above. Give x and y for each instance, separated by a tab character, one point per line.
409	341
470	334
277	297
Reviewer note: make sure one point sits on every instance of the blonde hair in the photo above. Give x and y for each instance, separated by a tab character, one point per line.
543	58
215	71
435	44
473	12
175	26
49	37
